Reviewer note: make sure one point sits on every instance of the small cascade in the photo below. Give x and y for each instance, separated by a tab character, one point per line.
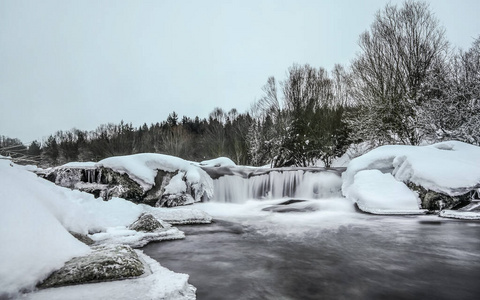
92	175
277	184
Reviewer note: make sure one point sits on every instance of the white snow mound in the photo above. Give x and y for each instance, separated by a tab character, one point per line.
450	167
379	193
218	162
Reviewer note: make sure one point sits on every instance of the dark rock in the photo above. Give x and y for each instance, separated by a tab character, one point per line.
286	206
146	223
162	179
432	200
291	201
103	264
82	238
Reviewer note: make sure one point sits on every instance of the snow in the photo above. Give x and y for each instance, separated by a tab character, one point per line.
179	215
83	165
379	193
176	184
448	167
158	283
463	215
143	169
34	241
35	217
121	235
218	162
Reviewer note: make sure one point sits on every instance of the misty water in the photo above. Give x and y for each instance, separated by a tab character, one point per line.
333	253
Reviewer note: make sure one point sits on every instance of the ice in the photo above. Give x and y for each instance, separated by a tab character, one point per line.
379	193
448	167
277	184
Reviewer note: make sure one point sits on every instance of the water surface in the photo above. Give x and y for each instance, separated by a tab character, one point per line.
364	257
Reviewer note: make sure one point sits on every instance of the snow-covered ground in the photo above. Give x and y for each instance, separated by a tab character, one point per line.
36	217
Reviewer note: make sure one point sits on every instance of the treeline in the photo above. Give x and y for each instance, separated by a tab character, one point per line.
407	85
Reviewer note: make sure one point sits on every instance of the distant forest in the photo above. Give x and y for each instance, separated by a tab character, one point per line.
407	85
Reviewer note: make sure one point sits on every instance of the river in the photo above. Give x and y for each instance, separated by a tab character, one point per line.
333	253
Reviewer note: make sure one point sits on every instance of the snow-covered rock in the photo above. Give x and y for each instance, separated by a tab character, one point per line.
143	169
34	241
158	283
218	162
36	217
179	216
152	179
379	193
104	263
450	168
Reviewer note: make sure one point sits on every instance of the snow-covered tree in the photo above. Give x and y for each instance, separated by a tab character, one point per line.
398	54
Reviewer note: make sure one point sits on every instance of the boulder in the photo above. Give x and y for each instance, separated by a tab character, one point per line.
82	238
434	201
146	223
104	263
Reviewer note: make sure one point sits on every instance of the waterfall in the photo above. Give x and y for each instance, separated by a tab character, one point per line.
277	184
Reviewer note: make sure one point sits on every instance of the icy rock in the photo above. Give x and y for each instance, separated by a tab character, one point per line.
180	216
172	200
82	238
146	223
103	264
124	236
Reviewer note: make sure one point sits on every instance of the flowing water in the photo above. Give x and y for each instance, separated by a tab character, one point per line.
332	252
379	258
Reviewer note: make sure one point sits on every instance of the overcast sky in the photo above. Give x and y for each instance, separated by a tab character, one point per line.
66	64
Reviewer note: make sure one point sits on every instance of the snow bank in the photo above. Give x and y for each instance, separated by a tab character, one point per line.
159	283
218	162
35	217
379	193
143	169
450	168
34	242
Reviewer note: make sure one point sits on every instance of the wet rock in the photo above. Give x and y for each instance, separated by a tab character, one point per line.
82	238
103	264
146	223
292	205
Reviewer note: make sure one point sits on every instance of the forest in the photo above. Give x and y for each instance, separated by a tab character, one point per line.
406	85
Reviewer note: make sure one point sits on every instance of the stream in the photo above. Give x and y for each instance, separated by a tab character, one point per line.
329	254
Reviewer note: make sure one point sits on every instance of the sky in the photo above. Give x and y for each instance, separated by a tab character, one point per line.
78	64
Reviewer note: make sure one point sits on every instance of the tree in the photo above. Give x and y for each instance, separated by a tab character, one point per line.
401	50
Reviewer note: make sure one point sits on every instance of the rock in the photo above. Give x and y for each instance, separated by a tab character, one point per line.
103	264
155	193
171	200
432	200
82	238
146	223
292	205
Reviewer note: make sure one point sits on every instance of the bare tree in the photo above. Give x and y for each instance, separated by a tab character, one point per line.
398	54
